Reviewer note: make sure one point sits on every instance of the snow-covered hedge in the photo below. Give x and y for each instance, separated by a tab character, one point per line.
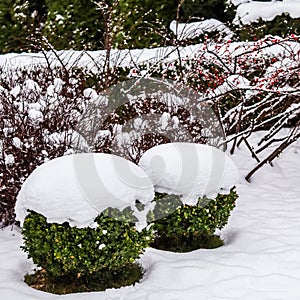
195	193
282	25
77	188
80	217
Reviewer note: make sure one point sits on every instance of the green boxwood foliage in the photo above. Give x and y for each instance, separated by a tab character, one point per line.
71	252
182	227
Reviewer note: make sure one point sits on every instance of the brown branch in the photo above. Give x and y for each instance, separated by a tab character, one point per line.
251	149
273	155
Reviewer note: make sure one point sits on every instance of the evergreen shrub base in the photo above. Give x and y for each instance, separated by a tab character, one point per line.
128	275
183	228
72	259
183	244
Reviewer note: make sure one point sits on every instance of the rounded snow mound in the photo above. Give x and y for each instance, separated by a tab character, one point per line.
77	188
191	170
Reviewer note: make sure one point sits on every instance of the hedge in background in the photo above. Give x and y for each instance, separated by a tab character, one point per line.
282	26
20	23
74	25
221	10
144	24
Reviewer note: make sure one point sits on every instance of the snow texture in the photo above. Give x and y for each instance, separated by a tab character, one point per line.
253	10
9	159
190	170
126	58
191	30
260	259
77	188
90	93
232	82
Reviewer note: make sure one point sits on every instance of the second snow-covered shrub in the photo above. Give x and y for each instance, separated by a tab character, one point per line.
190	227
194	193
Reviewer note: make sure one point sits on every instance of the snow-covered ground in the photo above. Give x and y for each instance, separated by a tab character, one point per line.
260	259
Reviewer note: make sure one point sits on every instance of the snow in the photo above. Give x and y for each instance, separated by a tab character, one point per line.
91	60
190	170
191	30
35	115
15	91
73	137
9	159
165	117
94	60
253	10
17	142
260	259
232	82
31	86
77	188
90	93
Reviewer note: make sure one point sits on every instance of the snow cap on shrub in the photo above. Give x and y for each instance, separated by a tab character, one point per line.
191	170
77	188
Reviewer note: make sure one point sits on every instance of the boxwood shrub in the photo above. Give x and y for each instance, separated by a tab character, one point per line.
69	253
184	228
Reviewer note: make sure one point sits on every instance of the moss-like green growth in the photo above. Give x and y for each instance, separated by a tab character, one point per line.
183	244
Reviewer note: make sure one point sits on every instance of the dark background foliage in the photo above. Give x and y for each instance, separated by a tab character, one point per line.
83	25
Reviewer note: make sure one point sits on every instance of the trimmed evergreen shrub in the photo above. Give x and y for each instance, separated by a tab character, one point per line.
69	253
184	228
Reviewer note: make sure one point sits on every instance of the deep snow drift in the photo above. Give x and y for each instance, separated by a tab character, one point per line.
260	259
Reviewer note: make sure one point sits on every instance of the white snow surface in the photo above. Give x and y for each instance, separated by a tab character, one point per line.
77	188
232	82
251	11
259	261
191	30
191	170
92	60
